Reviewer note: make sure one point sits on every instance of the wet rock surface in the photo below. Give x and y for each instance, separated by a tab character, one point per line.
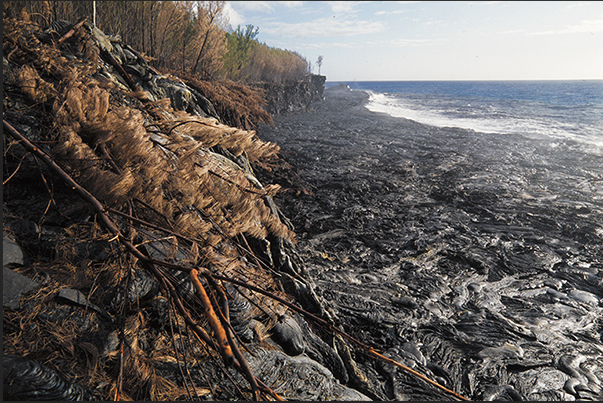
475	259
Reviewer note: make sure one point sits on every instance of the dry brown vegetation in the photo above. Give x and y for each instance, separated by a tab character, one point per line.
237	104
184	36
158	175
268	64
186	39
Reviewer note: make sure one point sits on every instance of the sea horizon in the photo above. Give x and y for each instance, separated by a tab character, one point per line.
472	80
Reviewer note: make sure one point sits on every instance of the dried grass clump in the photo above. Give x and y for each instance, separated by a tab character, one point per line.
110	151
211	133
159	175
33	86
238	105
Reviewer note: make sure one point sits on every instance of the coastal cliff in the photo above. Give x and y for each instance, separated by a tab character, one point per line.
293	96
139	245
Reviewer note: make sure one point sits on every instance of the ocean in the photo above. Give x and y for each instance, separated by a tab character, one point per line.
554	110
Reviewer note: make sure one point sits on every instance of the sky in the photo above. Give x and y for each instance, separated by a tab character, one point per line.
433	40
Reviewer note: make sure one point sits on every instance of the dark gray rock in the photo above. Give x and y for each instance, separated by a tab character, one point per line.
76	297
182	96
25	228
501	392
288	334
99	251
11	252
14	285
295	96
299	378
25	379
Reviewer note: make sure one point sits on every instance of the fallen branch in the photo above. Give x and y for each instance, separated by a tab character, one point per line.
212	318
70	33
83	193
117	66
222	302
333	329
241	367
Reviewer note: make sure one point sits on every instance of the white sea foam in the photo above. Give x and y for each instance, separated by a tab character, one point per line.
487	119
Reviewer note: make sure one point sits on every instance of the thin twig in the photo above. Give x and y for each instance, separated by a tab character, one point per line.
50	194
71	32
15	172
241	188
110	160
176	354
157	227
168	222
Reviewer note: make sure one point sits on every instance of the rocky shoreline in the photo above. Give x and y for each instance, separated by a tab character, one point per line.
423	244
411	239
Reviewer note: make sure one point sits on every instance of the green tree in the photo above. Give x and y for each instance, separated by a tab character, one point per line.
238	45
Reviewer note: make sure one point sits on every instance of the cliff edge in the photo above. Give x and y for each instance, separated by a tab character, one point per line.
295	96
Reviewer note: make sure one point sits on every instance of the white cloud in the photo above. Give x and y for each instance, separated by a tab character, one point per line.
575	4
345	6
324	27
433	22
513	31
359	44
585	26
292	4
331	45
390	12
484	3
234	18
411	42
254	5
266	6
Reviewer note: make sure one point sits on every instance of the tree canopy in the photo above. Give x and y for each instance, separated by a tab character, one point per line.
185	36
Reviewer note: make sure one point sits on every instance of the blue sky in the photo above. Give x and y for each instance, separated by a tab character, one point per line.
434	40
